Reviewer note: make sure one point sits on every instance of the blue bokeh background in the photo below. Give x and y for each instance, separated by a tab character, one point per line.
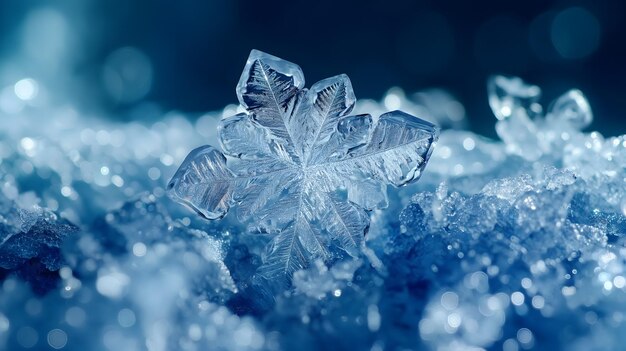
195	49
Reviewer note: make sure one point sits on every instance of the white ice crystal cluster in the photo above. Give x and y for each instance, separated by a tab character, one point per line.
531	230
510	244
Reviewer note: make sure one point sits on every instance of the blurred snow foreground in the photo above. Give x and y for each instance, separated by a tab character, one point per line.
506	245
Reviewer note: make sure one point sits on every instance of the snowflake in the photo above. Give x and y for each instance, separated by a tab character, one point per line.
300	165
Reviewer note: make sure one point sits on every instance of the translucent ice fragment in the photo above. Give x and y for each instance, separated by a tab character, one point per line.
571	108
514	103
555	178
203	182
511	95
302	166
520	135
509	188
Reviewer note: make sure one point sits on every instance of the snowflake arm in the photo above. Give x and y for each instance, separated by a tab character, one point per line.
241	137
204	183
324	104
270	89
397	151
284	256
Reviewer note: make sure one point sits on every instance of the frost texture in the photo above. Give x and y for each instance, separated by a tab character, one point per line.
302	166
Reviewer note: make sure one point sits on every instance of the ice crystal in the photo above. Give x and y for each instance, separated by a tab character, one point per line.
521	124
515	104
571	108
302	166
31	233
511	97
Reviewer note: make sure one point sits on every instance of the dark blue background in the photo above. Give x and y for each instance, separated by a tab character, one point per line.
198	48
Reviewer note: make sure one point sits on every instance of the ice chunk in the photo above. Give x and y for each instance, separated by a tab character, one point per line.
509	96
571	108
515	104
509	189
31	238
297	152
538	248
32	233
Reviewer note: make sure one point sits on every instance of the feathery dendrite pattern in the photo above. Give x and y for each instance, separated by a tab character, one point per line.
297	164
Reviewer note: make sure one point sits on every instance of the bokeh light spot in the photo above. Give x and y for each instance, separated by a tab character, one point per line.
575	33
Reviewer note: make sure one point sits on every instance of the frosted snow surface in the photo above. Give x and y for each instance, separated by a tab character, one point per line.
510	244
